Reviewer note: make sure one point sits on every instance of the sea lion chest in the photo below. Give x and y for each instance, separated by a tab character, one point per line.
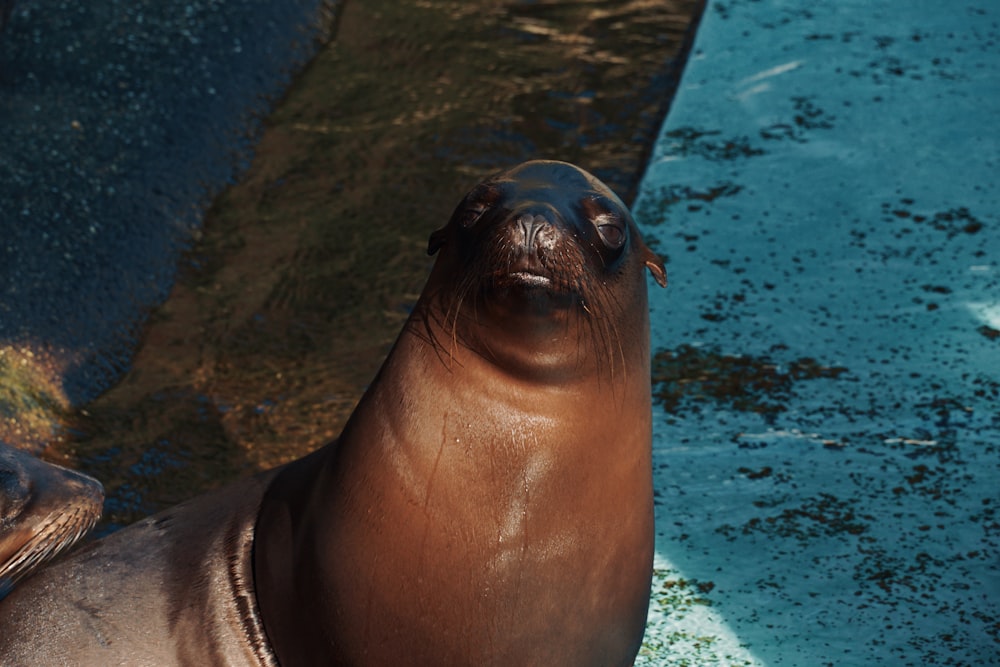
478	518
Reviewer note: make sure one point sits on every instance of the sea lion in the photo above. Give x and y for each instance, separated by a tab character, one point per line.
489	501
44	509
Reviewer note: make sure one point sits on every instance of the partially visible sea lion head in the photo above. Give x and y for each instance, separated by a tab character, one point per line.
539	248
44	509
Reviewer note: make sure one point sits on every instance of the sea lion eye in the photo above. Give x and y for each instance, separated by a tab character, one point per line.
606	220
611	231
481	199
471	214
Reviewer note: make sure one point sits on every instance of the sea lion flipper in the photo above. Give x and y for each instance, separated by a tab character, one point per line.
436	241
655	266
44	509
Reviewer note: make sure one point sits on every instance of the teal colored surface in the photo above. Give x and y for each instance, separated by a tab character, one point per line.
825	188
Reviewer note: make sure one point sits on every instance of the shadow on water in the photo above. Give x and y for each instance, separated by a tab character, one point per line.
306	269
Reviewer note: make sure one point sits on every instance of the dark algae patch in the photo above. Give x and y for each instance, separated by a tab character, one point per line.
655	210
688	376
806	116
709	144
953	222
823	515
676	597
681	595
989	332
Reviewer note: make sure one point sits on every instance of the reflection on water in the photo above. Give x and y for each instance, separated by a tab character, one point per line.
306	270
32	400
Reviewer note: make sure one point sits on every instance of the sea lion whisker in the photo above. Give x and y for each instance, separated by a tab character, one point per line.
428	333
594	329
465	288
615	340
46	541
610	338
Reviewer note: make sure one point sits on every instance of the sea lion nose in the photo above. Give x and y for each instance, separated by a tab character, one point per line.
534	232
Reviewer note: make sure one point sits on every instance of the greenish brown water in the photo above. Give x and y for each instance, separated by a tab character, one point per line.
307	268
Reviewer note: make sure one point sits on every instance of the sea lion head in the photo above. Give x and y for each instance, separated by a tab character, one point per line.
44	508
531	257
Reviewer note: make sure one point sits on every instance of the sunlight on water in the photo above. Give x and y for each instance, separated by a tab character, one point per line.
683	629
31	396
987	313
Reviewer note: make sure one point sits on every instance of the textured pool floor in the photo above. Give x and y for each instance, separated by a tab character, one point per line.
827	358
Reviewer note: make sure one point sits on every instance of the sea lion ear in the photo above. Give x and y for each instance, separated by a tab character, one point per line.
436	241
655	266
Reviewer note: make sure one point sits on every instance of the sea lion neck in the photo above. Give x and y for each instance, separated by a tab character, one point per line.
449	461
537	342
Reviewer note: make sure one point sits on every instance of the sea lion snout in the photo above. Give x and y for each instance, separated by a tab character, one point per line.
534	232
535	250
44	508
